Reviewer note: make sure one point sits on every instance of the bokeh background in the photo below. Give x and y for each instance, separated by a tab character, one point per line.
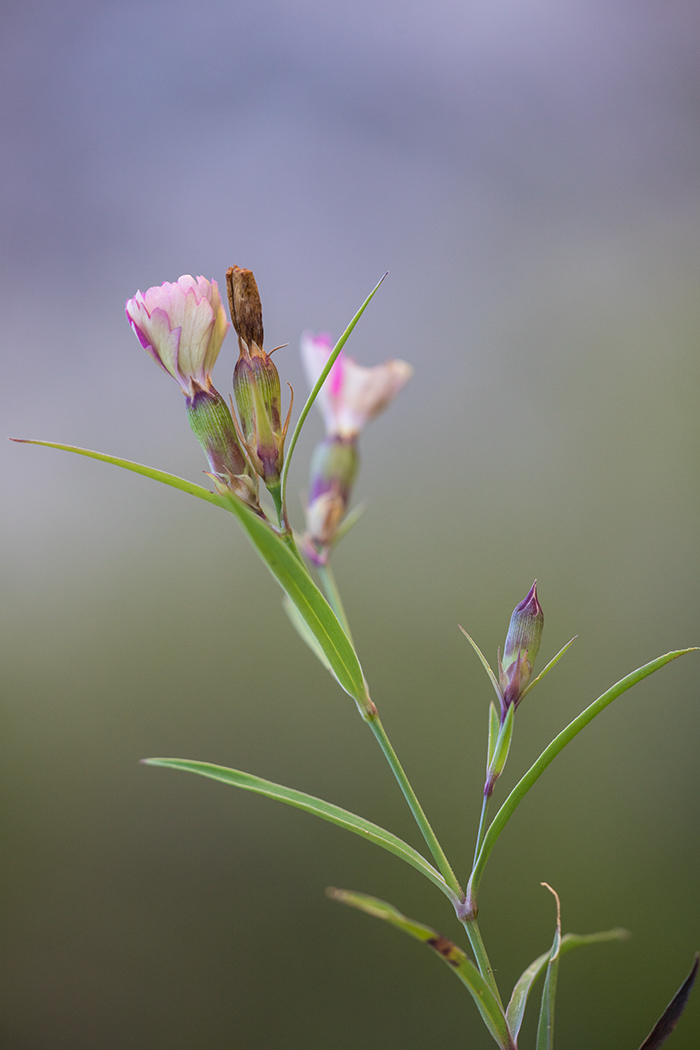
528	173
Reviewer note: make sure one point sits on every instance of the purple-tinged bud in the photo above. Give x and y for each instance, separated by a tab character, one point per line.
211	421
256	383
520	649
333	470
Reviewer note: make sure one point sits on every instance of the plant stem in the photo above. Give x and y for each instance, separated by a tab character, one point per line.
330	586
415	806
482	826
333	594
482	959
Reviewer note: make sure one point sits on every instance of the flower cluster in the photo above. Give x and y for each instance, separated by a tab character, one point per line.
182	325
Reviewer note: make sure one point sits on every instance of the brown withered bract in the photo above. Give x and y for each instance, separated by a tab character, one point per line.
244	303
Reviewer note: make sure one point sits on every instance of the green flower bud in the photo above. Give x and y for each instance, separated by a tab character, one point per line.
212	424
520	649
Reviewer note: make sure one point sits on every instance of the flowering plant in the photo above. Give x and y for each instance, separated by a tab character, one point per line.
182	326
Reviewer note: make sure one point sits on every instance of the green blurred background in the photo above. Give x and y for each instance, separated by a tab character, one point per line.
528	172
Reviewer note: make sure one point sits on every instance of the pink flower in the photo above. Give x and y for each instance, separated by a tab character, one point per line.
352	395
182	326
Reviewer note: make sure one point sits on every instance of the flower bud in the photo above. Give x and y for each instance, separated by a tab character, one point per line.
256	383
212	424
333	470
520	649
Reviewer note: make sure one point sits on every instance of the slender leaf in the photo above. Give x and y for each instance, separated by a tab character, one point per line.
326	810
550	753
672	1014
548	668
454	957
515	1010
503	742
494	726
138	468
319	383
283	563
484	661
303	631
545	1028
349	521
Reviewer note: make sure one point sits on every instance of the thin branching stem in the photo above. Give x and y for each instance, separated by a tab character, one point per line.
420	818
481	956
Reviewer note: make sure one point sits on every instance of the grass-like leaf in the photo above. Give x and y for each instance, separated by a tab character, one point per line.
550	753
326	810
672	1014
283	563
319	383
303	631
486	665
494	726
545	1028
454	957
515	1010
548	668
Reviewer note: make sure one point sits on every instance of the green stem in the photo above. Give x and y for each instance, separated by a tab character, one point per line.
414	805
482	826
330	587
482	959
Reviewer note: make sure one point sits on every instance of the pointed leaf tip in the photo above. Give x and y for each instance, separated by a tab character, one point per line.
672	1014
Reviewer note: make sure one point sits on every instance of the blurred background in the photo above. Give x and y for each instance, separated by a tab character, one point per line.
528	173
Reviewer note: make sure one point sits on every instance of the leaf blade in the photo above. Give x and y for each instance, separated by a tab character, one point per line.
319	383
486	665
550	753
366	829
545	1028
515	1011
450	953
672	1014
138	468
285	566
548	668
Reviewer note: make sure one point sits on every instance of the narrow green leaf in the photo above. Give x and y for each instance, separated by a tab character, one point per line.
503	742
549	667
494	726
672	1014
313	608
515	1010
283	563
349	521
454	957
484	661
304	633
138	468
326	810
545	1028
550	753
319	383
